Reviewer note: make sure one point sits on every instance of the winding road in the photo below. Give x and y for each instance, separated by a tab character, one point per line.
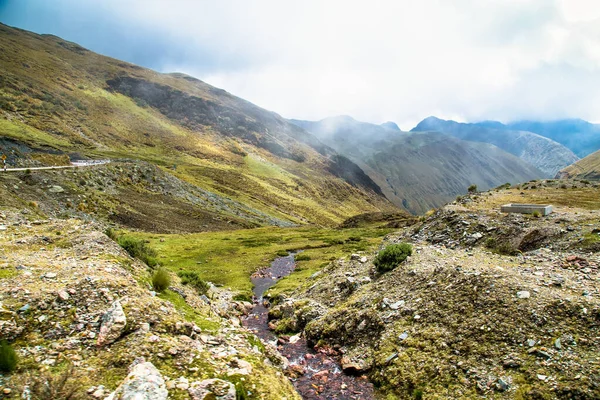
74	164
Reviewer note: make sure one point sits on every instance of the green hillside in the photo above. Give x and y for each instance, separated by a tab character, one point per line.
58	97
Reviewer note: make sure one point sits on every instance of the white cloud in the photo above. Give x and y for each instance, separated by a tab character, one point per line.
398	60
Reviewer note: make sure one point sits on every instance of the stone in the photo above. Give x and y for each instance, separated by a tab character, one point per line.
355	257
403	336
50	275
113	324
212	389
397	305
144	382
531	342
294	339
524	294
25	308
502	385
557	344
56	189
477	236
63	295
363	260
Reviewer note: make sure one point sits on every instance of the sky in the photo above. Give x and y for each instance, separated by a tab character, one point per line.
377	60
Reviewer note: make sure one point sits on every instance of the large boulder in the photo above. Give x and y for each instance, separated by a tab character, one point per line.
113	324
212	389
144	382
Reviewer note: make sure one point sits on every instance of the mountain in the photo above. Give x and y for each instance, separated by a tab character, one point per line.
582	137
541	152
586	168
419	171
58	97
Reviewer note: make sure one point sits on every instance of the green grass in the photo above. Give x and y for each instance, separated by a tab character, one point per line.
188	311
229	258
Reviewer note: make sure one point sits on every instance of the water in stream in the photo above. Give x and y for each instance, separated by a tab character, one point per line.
319	375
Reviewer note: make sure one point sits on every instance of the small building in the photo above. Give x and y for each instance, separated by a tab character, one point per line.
543	209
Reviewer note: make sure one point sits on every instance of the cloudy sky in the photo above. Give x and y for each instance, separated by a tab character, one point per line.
399	60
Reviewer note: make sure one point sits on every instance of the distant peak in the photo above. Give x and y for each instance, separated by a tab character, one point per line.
391	125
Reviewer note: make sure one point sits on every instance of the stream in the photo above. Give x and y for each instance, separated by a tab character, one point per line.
317	373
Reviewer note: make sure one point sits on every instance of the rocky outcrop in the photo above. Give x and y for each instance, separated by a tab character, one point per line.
113	324
144	382
212	389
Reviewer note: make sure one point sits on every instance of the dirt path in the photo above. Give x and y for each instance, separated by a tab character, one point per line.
74	164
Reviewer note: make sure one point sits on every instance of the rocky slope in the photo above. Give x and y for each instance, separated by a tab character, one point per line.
420	171
586	168
488	306
543	153
57	97
77	308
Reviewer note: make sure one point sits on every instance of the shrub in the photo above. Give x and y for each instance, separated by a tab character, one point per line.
536	214
472	188
139	249
65	386
391	256
8	357
302	257
161	280
193	279
282	253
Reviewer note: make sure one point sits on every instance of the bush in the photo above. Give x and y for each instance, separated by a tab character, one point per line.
161	280
139	249
8	357
536	214
472	188
65	386
391	256
193	279
302	257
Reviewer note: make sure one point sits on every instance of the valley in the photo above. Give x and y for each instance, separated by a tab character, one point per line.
205	248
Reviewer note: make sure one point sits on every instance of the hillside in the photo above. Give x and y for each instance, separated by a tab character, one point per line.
582	137
543	153
420	171
586	168
489	305
57	97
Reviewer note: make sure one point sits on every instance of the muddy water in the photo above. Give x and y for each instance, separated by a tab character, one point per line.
316	374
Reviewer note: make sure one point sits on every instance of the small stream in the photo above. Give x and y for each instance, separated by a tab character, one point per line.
318	373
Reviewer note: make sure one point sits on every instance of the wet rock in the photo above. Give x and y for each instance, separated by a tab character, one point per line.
212	389
113	324
144	382
294	339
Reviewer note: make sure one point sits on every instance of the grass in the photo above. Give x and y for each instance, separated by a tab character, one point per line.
188	311
229	258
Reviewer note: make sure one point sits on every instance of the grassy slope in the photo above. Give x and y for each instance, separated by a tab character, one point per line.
586	168
54	95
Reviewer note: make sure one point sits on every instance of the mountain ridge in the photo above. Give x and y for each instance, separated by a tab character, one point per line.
543	153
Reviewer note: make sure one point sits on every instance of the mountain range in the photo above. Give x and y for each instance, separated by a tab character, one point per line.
541	152
420	170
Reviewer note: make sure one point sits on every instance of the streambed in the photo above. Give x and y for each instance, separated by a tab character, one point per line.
316	374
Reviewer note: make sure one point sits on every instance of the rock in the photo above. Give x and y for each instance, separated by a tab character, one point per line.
113	324
25	308
542	377
56	189
212	389
390	358
524	294
363	260
355	257
531	342
477	236
352	367
50	275
294	339
568	339
502	385
557	344
403	336
63	295
144	382
397	305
